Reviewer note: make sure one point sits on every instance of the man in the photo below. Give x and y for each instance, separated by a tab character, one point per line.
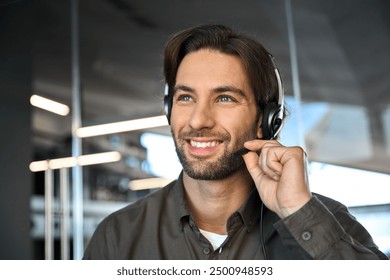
223	94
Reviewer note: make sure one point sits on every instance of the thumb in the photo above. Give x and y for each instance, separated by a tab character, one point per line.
251	160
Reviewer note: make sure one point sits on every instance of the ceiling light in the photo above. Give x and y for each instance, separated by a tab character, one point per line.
41	165
49	105
59	163
68	162
99	158
149	183
124	126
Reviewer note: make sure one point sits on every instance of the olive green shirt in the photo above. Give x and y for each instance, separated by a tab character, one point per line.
160	226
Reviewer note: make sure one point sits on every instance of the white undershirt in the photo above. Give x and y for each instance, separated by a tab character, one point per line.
215	239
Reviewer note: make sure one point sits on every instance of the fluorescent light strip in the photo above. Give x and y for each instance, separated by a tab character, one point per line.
99	158
41	165
59	163
68	162
49	105
149	183
124	126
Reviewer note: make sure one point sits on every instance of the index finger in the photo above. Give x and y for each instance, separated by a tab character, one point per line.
258	144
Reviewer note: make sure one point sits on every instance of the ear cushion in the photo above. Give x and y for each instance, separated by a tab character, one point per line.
167	103
270	123
167	108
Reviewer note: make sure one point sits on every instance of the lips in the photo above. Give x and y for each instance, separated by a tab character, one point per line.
203	147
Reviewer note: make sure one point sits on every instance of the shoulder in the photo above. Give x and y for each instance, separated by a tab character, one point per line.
118	235
143	207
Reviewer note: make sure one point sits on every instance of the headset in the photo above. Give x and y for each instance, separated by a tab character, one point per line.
273	113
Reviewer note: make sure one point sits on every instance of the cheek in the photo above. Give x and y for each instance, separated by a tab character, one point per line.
178	127
177	118
242	118
241	126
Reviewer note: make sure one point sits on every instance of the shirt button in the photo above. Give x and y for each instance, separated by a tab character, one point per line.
306	236
206	251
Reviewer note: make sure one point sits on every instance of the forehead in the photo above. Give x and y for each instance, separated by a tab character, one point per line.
212	67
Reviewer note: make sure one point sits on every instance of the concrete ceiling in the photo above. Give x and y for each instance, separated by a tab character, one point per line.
343	58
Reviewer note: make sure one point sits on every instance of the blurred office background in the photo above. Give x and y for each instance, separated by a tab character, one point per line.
102	59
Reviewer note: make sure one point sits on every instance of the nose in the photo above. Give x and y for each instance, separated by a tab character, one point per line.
201	116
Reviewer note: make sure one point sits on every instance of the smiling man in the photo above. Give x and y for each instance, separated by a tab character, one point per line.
224	93
214	113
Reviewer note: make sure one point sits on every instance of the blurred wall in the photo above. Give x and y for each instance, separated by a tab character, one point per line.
15	89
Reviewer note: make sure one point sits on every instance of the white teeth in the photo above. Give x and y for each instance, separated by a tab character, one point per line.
203	144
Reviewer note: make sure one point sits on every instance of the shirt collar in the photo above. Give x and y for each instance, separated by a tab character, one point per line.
249	211
183	211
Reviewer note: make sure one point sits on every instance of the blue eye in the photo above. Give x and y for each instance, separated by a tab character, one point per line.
225	98
184	98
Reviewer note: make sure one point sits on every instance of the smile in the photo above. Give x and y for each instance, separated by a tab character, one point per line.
197	144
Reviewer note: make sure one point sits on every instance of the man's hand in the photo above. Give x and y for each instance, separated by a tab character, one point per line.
280	175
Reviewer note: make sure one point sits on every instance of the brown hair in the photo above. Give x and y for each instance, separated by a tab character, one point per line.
257	60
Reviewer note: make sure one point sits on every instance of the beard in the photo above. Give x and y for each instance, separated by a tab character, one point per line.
205	169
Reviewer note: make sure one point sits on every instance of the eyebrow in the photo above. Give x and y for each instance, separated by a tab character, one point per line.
228	88
220	89
183	88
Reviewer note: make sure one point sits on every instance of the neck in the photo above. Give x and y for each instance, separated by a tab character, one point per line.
213	201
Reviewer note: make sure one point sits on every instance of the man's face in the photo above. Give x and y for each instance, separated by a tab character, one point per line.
213	114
